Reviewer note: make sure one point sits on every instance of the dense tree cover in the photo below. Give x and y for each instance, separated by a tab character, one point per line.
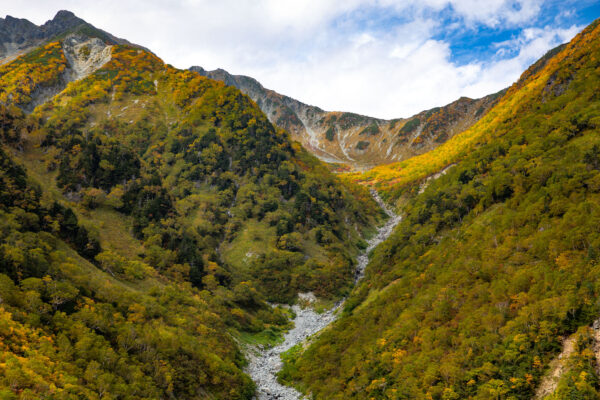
25	202
193	167
70	331
493	263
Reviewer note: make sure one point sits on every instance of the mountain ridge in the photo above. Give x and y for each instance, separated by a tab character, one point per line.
355	140
350	140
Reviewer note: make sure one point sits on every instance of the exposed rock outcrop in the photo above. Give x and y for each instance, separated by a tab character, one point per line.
85	55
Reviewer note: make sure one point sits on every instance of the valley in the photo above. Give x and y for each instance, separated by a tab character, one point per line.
265	364
190	234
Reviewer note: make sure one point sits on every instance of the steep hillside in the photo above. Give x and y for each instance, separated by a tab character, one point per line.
70	330
148	213
355	140
494	263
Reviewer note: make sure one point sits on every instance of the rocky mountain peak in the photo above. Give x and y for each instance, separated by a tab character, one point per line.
62	21
17	36
64	14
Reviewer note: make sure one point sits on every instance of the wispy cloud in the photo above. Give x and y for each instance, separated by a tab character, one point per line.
386	58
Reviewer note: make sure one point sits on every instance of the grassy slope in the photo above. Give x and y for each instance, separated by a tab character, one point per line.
494	262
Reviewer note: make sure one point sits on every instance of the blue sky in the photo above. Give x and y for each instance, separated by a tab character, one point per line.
478	43
385	58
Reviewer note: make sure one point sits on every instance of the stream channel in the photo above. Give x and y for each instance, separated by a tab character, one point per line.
265	363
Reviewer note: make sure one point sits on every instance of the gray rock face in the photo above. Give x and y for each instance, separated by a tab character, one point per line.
18	34
264	364
84	55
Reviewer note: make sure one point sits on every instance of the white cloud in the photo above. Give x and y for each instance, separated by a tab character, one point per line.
339	55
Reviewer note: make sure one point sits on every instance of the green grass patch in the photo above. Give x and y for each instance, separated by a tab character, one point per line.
254	239
267	338
410	126
372	129
330	134
362	145
289	368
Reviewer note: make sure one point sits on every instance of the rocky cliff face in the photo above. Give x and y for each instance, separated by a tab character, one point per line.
85	55
356	140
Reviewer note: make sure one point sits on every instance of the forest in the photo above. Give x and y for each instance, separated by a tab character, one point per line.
148	214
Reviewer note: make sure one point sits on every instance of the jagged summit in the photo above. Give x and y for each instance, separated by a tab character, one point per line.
17	35
63	19
64	14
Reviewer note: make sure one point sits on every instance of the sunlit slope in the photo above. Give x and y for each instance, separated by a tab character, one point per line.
526	97
494	263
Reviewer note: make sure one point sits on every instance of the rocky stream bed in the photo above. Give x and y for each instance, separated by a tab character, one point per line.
265	363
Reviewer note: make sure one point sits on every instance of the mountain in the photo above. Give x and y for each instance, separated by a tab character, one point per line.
489	287
18	36
156	227
355	140
149	217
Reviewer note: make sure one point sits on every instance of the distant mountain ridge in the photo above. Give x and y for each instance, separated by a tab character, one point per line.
357	140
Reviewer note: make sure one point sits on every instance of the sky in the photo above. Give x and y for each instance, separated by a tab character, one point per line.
382	58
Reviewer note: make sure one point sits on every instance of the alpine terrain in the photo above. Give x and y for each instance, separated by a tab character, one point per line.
357	142
176	233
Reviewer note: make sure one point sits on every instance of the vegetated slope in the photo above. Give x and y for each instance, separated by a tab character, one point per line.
70	330
392	180
354	140
193	209
579	378
492	265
